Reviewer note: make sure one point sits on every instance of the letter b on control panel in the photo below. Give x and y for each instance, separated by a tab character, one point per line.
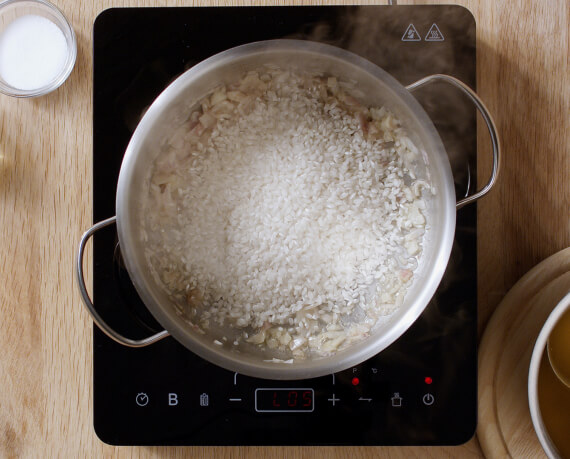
172	399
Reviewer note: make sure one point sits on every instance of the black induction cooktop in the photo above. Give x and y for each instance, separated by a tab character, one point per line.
419	391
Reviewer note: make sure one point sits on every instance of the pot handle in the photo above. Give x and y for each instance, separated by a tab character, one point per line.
89	304
488	120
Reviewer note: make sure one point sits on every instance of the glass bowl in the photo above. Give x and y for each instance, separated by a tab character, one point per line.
12	10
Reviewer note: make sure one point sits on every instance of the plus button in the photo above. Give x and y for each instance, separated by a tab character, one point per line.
333	400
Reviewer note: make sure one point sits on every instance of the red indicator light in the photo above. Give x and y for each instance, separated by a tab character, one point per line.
355	381
428	380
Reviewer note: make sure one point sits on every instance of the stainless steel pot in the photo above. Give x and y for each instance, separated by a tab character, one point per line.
170	109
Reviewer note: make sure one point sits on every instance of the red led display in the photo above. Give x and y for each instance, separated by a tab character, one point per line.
294	400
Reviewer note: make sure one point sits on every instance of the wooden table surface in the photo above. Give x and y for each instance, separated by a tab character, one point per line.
46	202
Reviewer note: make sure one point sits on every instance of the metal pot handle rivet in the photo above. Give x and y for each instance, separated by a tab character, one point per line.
89	304
488	120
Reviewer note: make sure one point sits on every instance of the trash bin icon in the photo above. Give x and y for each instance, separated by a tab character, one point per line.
396	399
204	399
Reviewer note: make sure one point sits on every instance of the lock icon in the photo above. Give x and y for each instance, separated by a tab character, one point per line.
204	399
397	400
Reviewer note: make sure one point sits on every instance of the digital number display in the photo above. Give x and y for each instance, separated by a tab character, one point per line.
290	400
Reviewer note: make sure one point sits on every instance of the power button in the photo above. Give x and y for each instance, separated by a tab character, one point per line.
428	399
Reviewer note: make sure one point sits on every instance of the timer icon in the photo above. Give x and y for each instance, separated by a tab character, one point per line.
141	399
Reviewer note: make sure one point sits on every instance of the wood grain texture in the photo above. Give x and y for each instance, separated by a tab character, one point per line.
523	73
505	426
46	198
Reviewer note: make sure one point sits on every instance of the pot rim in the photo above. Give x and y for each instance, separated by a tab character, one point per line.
356	353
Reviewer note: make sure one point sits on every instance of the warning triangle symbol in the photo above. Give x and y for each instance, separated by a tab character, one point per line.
411	34
434	34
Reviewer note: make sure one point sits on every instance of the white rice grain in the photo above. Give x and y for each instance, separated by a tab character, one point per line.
286	213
